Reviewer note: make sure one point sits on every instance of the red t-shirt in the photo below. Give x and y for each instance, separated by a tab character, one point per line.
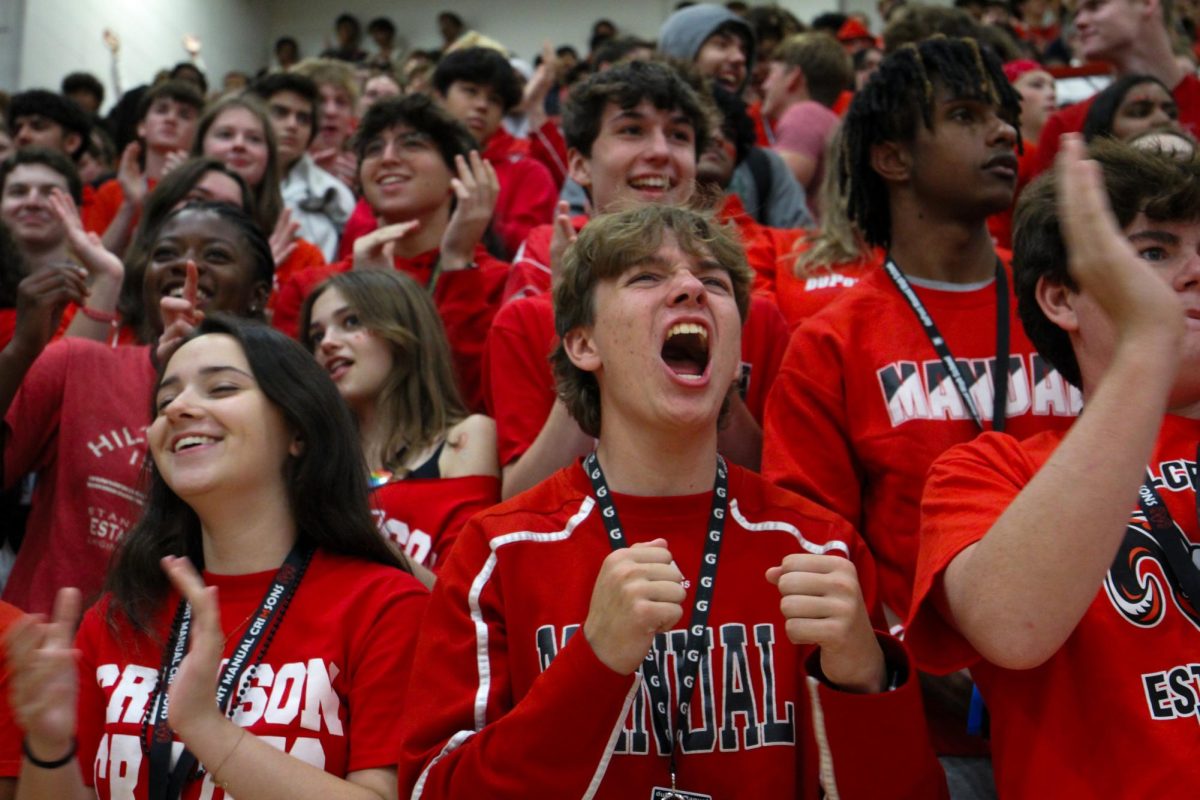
762	136
862	407
520	382
1070	119
527	194
766	247
1113	712
10	734
8	326
79	422
515	704
103	205
422	516
330	690
305	256
362	221
531	273
466	299
799	297
547	145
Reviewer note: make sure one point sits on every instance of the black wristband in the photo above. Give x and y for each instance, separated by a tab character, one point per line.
61	762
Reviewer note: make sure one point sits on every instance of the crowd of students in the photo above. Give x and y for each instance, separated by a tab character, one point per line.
762	409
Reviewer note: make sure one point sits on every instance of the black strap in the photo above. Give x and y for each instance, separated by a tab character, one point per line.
429	467
760	169
167	783
1000	365
1175	547
697	640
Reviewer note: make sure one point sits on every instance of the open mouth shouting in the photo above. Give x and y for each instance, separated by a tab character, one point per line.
685	351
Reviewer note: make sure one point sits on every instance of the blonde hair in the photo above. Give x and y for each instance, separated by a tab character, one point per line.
837	240
329	71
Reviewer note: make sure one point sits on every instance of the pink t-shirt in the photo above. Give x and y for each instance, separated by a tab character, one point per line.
805	128
79	423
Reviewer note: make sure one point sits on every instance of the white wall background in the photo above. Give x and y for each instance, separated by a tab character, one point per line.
43	40
60	36
521	25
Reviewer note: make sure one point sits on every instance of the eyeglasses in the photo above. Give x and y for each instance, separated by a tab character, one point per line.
407	143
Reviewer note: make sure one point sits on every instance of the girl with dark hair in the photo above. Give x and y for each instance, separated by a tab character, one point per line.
195	180
1130	105
379	336
78	420
255	478
238	132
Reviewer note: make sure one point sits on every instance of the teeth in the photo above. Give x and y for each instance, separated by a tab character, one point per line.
681	328
390	180
650	183
189	441
201	294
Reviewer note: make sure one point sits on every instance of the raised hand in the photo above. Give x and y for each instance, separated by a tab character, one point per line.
638	593
191	698
338	163
130	175
111	41
87	247
41	298
376	250
476	188
283	238
1101	260
192	44
562	236
172	160
179	314
44	676
537	87
823	605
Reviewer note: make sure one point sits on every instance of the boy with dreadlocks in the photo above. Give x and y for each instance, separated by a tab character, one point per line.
1062	568
926	352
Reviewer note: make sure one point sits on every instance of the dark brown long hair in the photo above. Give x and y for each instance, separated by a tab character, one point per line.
326	483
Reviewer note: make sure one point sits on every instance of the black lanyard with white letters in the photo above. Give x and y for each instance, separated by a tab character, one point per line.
697	642
1000	391
167	783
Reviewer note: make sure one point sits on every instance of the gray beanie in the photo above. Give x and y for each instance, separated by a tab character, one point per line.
685	31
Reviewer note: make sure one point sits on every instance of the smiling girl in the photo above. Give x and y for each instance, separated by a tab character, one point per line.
256	479
433	466
238	132
78	420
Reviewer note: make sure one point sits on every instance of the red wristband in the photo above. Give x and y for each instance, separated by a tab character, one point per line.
110	317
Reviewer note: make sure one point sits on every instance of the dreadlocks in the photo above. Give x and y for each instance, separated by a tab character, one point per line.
887	109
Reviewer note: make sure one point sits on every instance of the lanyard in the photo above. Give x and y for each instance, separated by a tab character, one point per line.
1000	370
167	783
697	642
1174	546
